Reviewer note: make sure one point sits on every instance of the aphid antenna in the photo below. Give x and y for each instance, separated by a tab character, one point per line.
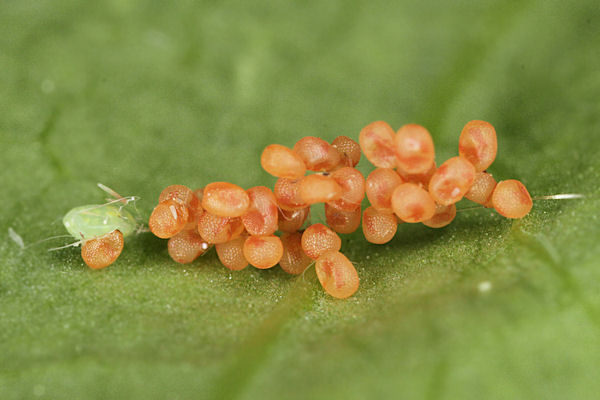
75	244
21	243
46	240
128	199
112	192
116	197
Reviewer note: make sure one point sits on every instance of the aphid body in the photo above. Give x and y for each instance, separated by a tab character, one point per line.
93	221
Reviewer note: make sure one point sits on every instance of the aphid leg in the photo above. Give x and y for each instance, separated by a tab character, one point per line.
74	244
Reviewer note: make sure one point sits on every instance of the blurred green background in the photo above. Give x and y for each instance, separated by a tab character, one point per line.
142	94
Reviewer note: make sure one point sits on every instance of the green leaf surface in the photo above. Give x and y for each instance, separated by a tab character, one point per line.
139	95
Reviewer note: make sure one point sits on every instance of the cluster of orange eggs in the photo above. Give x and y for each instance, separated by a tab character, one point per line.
406	186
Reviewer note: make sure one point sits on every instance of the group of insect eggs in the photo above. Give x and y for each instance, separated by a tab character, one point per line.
406	186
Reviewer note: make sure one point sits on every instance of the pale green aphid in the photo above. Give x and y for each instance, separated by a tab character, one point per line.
92	221
96	220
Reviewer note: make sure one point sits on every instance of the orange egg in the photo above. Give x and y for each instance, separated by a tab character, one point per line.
101	252
337	275
411	203
478	144
414	149
282	162
452	181
377	144
511	199
263	251
225	199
